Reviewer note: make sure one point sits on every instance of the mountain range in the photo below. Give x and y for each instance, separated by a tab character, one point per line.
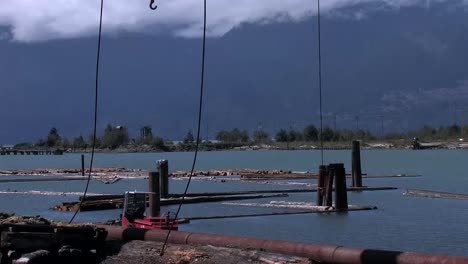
404	67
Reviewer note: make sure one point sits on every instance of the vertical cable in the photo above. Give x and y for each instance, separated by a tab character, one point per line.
200	109
96	89
320	78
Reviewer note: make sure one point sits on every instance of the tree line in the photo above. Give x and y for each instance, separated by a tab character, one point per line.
312	133
112	137
117	136
309	134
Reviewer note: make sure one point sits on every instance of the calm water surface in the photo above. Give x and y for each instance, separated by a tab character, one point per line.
400	223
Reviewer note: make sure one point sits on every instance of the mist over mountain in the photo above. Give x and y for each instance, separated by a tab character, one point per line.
408	64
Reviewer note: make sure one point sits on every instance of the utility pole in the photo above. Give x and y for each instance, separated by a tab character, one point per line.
357	123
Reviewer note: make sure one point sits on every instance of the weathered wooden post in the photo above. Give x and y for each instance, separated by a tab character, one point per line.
329	186
163	169
321	184
341	194
82	165
154	196
356	165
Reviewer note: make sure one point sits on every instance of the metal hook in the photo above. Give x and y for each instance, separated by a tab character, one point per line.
152	5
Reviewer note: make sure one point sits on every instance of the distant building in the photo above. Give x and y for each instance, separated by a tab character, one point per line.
146	132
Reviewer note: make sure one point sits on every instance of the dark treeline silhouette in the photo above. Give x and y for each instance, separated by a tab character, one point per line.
114	137
427	133
312	134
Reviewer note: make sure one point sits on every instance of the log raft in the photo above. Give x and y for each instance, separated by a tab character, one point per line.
184	220
244	174
4	152
115	201
118	203
435	194
211	194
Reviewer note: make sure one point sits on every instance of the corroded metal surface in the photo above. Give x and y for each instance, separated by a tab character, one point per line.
316	252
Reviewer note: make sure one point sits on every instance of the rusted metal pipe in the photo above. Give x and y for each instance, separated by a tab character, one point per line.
316	252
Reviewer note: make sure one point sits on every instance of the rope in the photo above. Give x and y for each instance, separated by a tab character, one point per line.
96	89
320	78
200	108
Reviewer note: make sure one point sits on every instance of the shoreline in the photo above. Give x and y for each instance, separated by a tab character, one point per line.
280	146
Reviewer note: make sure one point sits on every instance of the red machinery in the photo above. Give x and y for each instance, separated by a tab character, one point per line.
134	213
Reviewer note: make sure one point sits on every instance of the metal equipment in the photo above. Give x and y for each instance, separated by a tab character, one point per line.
134	213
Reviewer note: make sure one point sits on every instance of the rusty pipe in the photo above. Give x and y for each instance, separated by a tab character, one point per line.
316	252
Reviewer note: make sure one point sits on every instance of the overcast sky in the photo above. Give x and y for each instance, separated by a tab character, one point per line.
40	20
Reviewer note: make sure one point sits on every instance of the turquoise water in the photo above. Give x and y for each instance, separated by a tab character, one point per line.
400	223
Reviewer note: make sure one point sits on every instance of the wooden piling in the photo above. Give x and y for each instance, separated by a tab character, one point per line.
356	165
341	198
154	197
321	184
329	186
163	169
82	165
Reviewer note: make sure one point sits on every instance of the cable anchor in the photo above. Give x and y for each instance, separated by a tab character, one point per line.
153	5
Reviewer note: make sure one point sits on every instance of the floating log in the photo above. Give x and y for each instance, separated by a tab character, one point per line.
435	194
101	197
232	172
44	179
245	174
284	176
210	194
389	175
118	203
303	176
355	208
302	206
109	180
46	193
67	171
